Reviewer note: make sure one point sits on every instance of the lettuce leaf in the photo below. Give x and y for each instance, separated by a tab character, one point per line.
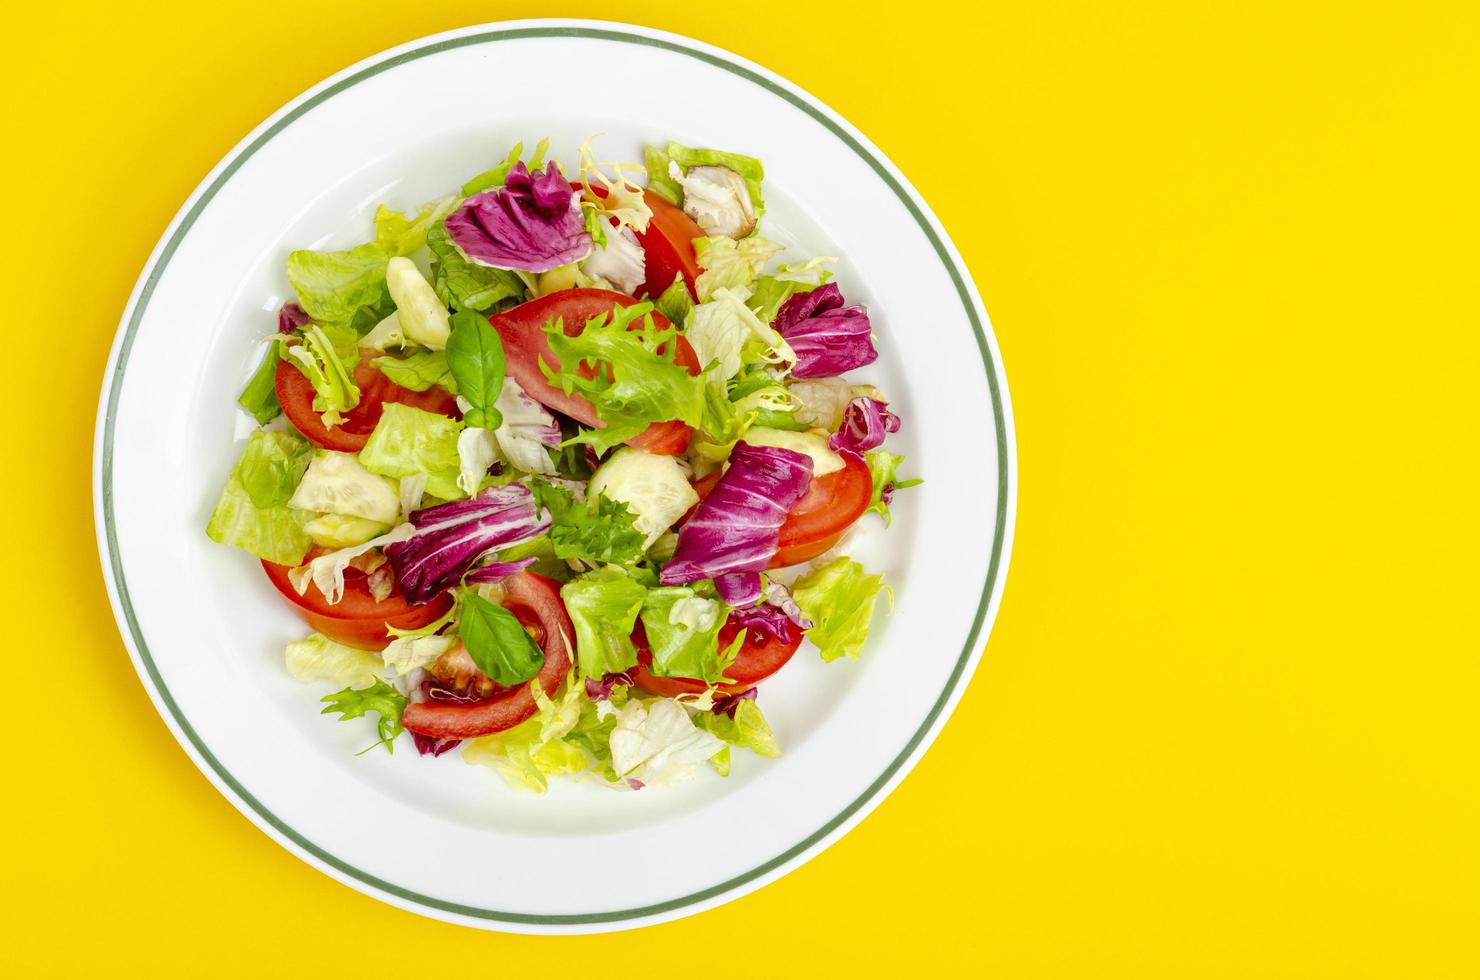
408	441
528	754
881	468
728	263
259	397
322	359
603	607
655	743
642	386
747	167
683	634
465	285
318	658
340	287
839	599
252	512
726	332
402	234
747	729
380	698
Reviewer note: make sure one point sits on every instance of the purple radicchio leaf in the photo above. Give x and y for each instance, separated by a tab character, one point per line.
775	616
602	690
866	421
449	538
735	528
739	589
497	571
427	745
292	317
729	704
828	338
532	223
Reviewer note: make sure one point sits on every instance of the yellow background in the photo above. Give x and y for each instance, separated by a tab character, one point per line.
1226	725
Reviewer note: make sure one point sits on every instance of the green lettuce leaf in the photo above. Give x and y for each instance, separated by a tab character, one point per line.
495	177
747	167
598	530
340	287
675	302
318	658
603	607
380	698
839	599
655	160
634	385
726	332
881	468
748	729
323	362
259	397
271	463
408	441
402	234
418	371
528	754
729	264
683	634
498	643
464	285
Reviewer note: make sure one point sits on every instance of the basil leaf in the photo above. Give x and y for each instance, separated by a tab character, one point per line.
475	356
497	642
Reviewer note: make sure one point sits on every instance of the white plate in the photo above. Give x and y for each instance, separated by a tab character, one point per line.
206	630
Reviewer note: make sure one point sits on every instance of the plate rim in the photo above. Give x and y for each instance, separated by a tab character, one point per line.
407	898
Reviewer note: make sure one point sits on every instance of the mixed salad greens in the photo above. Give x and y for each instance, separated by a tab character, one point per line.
560	467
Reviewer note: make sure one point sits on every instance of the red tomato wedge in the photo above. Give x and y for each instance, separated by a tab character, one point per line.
760	656
295	394
667	246
522	330
358	619
829	507
535	602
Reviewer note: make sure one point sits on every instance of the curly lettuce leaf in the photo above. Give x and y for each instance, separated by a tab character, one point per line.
381	698
635	384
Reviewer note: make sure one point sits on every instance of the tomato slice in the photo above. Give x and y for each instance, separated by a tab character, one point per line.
535	601
829	507
668	248
358	619
522	330
295	394
667	245
760	656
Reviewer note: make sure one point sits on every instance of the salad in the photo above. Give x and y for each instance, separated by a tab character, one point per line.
560	467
